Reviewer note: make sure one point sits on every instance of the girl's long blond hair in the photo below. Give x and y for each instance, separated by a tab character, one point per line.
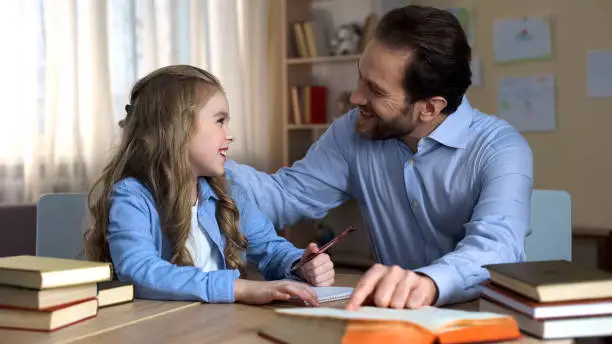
153	149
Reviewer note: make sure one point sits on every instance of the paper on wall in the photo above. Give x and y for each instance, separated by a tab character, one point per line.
476	71
599	74
522	39
465	16
528	103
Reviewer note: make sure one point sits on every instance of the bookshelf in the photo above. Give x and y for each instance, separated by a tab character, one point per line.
323	59
338	74
304	67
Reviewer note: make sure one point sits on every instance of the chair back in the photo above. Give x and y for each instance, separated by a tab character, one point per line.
61	221
550	236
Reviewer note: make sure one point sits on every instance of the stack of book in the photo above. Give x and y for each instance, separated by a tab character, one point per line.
551	299
46	294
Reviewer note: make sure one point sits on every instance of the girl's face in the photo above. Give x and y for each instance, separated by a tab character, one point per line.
211	138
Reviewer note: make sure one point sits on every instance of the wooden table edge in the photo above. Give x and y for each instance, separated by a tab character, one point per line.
129	323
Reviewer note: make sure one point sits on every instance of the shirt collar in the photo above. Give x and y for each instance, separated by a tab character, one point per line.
206	192
452	131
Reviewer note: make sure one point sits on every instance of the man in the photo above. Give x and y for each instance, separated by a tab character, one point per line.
443	188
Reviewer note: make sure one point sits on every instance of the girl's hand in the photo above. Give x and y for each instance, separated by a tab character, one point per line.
319	271
262	292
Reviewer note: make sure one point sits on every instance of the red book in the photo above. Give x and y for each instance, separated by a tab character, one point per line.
318	104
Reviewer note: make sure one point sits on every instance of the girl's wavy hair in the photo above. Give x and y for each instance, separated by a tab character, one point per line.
153	149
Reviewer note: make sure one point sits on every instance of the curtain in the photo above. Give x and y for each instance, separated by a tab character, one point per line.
239	41
56	124
68	67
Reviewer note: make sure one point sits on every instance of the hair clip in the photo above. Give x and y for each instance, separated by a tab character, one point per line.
128	109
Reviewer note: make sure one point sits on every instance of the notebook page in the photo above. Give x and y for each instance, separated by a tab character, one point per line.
431	318
326	294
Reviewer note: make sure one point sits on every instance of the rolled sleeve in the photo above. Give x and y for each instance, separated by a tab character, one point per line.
221	286
448	281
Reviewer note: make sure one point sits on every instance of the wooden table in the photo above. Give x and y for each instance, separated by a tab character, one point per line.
153	322
108	319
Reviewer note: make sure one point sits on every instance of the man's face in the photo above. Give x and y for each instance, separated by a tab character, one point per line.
384	107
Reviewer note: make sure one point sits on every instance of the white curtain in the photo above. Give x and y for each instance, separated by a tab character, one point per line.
56	123
238	36
68	66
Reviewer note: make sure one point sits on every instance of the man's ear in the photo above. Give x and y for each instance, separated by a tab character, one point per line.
431	108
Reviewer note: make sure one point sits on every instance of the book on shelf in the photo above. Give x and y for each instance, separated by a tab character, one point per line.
382	325
549	281
309	104
295	105
368	29
300	40
309	39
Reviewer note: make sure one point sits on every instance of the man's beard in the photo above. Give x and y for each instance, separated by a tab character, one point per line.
370	126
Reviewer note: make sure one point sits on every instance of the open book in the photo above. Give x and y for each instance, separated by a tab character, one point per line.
371	324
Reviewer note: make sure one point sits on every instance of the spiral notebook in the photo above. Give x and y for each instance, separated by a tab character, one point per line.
328	294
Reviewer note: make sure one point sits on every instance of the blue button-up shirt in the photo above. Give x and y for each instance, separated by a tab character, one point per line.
460	202
140	250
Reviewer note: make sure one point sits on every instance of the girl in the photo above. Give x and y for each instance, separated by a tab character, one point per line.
162	213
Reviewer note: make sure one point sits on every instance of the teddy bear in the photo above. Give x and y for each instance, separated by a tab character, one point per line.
346	40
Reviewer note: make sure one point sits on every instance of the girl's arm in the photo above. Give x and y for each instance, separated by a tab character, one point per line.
137	259
273	254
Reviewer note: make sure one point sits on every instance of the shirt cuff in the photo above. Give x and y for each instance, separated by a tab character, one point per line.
221	286
288	262
447	280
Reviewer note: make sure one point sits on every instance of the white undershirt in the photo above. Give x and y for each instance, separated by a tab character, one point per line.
200	246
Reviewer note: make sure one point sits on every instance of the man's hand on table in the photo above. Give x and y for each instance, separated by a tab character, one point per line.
392	286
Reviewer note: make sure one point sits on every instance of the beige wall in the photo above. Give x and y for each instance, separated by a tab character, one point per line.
577	157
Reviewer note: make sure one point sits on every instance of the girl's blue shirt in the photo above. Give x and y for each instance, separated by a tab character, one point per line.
141	252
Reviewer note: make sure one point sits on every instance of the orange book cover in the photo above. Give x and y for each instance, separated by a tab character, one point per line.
382	325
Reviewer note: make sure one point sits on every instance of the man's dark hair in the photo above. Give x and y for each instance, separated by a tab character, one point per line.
440	53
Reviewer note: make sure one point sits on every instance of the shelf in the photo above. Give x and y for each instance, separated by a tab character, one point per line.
323	59
307	126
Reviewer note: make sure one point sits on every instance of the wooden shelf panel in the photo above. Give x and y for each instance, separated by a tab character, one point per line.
307	126
322	59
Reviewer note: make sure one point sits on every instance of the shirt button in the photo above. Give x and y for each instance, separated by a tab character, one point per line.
411	162
415	203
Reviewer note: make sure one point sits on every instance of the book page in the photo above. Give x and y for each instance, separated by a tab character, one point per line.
431	318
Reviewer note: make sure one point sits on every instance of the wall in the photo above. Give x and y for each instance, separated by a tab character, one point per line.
576	157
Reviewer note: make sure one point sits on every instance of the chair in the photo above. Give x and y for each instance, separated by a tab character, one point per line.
550	236
17	229
61	220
